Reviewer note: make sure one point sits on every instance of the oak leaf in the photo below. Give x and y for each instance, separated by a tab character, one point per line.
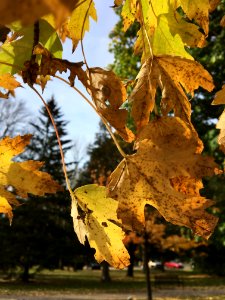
101	223
174	76
166	173
109	94
24	177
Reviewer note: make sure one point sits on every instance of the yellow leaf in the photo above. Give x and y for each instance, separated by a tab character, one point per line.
29	11
24	177
78	223
168	153
197	10
8	82
101	224
221	125
109	94
79	20
128	13
173	75
220	97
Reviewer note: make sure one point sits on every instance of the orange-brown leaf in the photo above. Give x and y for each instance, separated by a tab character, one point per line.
173	75
168	152
8	82
24	177
109	94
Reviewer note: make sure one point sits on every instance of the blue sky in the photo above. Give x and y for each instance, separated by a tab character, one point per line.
83	121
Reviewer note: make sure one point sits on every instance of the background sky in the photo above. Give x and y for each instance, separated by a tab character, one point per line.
83	121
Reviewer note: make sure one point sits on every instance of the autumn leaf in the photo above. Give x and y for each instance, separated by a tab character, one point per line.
220	99
173	75
13	54
221	125
24	177
50	65
29	11
8	82
163	31
79	20
101	223
109	94
197	10
117	2
166	173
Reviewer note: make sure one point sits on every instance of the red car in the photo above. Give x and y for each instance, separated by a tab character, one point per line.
173	265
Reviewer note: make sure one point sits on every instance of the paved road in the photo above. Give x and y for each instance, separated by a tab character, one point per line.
178	292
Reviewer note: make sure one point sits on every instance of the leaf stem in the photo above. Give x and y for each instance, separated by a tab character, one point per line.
58	139
82	32
11	65
123	154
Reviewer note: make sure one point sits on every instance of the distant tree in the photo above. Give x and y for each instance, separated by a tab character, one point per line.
14	117
42	232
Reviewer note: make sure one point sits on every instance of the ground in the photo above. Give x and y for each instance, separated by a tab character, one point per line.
86	284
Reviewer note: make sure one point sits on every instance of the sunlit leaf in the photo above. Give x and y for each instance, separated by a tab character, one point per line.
14	53
166	173
79	21
101	223
24	177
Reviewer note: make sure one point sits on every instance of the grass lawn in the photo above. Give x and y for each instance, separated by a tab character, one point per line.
88	281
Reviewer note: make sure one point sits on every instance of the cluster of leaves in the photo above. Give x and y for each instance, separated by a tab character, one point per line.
167	168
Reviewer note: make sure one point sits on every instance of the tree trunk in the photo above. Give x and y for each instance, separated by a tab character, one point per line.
147	269
25	275
131	249
105	272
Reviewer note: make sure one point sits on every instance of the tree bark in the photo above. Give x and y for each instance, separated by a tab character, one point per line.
131	249
25	275
146	268
105	272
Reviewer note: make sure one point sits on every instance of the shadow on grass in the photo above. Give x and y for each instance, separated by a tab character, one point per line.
89	280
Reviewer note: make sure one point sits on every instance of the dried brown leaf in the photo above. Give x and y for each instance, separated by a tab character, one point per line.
109	94
174	76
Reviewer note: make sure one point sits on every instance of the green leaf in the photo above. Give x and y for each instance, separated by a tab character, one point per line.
18	51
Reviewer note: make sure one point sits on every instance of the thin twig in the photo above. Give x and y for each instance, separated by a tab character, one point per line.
99	114
58	139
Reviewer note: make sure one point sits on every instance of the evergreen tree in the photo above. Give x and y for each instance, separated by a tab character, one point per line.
42	232
44	145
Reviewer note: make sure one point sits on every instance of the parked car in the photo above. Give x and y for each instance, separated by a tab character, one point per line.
155	264
173	265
